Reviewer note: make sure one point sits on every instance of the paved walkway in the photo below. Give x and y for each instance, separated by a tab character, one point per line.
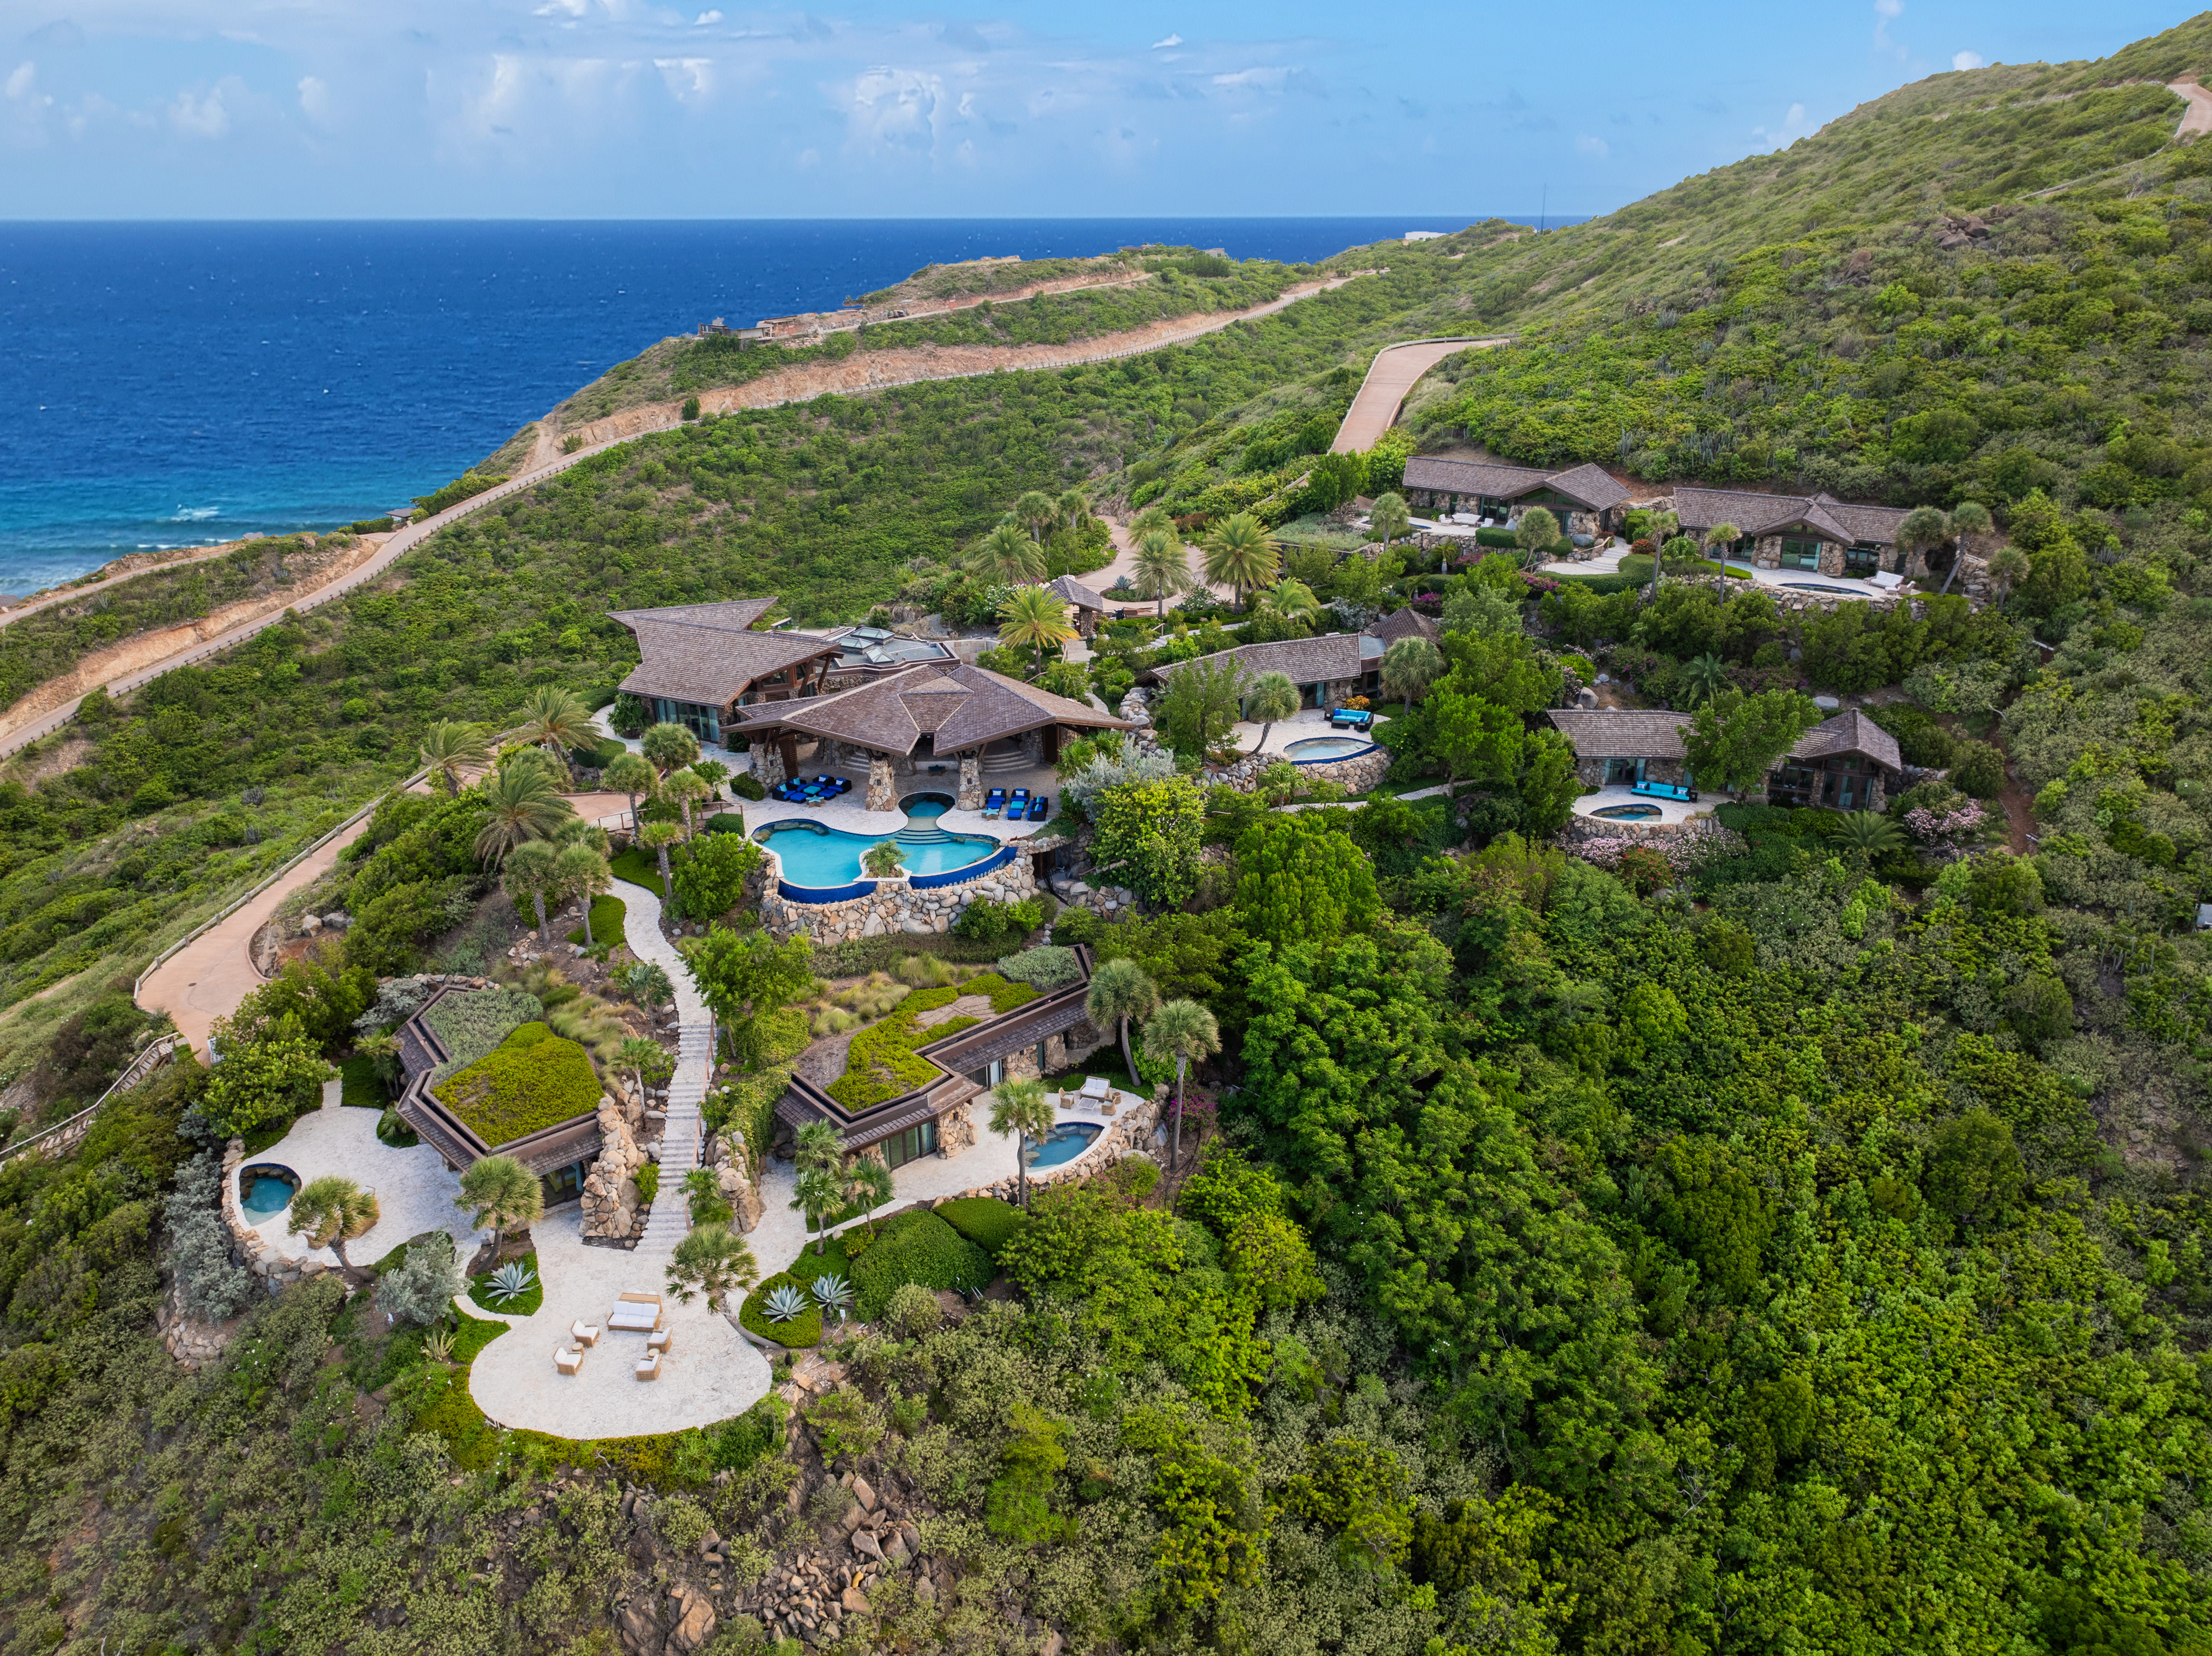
670	1221
2197	119
1396	370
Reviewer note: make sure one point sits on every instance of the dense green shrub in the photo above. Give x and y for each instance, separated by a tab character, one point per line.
1046	968
983	1220
746	786
534	1081
917	1247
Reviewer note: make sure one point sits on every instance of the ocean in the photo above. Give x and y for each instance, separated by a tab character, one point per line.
185	383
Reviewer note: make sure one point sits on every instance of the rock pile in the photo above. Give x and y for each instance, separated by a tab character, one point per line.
812	1598
612	1203
680	1622
726	1154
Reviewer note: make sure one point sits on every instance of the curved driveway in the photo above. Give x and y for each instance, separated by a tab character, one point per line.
1396	370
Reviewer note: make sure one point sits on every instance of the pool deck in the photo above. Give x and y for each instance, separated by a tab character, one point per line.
849	813
1671	810
1302	726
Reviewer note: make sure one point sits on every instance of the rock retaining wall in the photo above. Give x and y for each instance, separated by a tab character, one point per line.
1125	1135
192	1343
614	1207
260	1255
895	906
1355	775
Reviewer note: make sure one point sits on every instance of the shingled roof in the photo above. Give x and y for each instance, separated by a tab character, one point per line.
1593	486
1069	590
959	705
708	653
1763	514
1620	733
1850	732
1303	660
1409	623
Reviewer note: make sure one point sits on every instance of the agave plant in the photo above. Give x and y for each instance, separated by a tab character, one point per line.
511	1282
438	1346
785	1304
834	1293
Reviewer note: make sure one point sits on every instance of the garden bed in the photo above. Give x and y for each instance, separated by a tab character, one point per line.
525	1304
470	1023
608	915
882	1062
533	1080
801	1332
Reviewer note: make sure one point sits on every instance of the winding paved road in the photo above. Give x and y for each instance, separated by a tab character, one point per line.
1396	370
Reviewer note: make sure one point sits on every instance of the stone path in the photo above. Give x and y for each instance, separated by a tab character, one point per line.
687	1089
1396	370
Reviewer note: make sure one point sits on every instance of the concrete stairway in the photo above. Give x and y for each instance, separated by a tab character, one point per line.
671	1219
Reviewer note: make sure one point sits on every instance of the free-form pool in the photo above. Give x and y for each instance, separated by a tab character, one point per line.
265	1189
1326	747
815	856
1628	813
1063	1143
920	807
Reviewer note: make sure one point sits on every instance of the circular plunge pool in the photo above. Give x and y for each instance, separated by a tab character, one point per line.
1629	813
926	807
265	1189
1326	747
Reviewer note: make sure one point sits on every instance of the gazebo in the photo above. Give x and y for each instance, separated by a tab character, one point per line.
924	716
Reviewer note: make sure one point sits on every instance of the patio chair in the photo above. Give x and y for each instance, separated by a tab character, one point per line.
1040	808
567	1359
648	1367
659	1340
584	1333
1095	1089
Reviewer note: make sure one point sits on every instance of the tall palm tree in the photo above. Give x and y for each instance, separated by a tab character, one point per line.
634	775
449	746
687	788
660	836
1037	616
1389	518
1659	528
2008	567
1705	677
1007	557
670	747
1121	990
1719	539
530	873
1163	568
1970	521
581	872
525	805
1409	665
1152	517
868	1185
1074	510
1183	1030
1272	697
557	721
1038	513
1019	1107
1239	554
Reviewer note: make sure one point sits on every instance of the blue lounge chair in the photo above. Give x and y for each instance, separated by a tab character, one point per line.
994	801
1665	790
1017	802
1040	807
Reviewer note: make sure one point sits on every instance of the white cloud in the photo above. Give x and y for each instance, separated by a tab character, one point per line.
705	18
563	7
314	97
23	81
1962	60
1172	40
1793	126
687	77
1887	12
200	117
896	109
1588	145
1260	80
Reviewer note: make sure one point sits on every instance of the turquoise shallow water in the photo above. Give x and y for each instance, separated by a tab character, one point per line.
815	856
1064	1143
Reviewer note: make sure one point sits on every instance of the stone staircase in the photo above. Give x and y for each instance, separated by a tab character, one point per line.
671	1219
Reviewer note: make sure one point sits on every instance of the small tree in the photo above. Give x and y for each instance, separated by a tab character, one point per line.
715	870
818	1194
883	860
450	746
1020	1107
632	775
1146	836
502	1195
1271	697
530	876
1924	527
258	1075
1536	533
714	1260
1409	665
582	873
744	979
648	1062
670	747
660	836
1185	1031
1121	990
1201	698
1705	677
330	1210
869	1185
1659	528
1970	522
1299	880
1735	738
420	1290
687	788
1389	518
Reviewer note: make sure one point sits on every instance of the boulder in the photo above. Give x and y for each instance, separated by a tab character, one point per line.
694	1621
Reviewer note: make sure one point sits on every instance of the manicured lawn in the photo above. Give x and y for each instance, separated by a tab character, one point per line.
607	914
638	866
524	1304
364	1089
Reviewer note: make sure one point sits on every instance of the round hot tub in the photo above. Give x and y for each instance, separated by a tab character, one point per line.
1629	813
265	1190
926	807
1316	747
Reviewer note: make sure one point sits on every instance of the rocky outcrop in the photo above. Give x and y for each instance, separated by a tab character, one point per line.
894	906
676	1623
612	1202
726	1154
191	1341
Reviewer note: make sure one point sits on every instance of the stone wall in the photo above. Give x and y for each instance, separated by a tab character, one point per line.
260	1256
614	1207
186	1338
1125	1135
895	905
1355	775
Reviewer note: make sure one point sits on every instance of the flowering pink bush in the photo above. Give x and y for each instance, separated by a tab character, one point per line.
1944	830
1685	853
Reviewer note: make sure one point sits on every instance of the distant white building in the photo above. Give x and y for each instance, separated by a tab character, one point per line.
1426	235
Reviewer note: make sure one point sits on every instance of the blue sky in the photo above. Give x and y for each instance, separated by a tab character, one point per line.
631	108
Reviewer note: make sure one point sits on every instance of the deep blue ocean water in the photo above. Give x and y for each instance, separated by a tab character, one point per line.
178	384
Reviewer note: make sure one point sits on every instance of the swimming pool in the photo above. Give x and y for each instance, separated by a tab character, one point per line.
1326	747
1822	586
1064	1143
815	856
1629	813
920	806
265	1189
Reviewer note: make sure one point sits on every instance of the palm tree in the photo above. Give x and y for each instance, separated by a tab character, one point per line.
1121	990
1537	531
714	1260
501	1193
1034	615
1658	529
330	1210
1163	568
1038	513
1019	1107
1389	518
1272	697
449	746
634	776
883	860
1291	601
1183	1030
1970	521
525	805
670	747
1239	554
1719	539
648	1062
2008	567
556	720
1074	510
660	836
1152	517
530	872
869	1185
581	871
1869	835
1409	665
687	788
1705	677
1007	557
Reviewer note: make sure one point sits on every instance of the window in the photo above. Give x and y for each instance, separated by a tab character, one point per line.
903	1147
1799	552
1861	560
563	1184
702	722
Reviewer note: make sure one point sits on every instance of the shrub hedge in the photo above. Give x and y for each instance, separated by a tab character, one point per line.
983	1220
533	1080
801	1332
917	1247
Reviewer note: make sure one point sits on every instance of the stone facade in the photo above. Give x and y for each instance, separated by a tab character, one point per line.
768	766
614	1208
1591	769
1766	554
895	905
970	797
883	787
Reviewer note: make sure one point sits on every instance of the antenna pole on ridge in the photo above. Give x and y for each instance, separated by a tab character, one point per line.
1543	212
